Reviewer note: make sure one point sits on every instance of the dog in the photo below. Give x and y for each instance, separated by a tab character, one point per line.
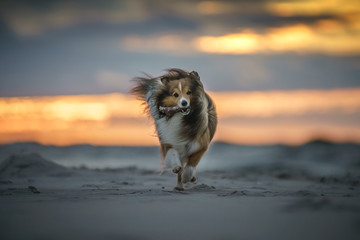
185	119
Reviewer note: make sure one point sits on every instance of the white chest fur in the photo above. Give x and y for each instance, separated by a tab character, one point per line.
169	130
169	133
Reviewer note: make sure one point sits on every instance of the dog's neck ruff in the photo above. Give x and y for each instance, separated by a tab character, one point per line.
168	112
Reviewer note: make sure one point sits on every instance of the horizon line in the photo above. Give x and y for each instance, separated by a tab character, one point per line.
315	140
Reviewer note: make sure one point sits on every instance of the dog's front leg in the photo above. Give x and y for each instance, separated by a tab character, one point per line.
179	185
188	173
172	160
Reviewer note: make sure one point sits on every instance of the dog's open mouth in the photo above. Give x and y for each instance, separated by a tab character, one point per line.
185	111
169	111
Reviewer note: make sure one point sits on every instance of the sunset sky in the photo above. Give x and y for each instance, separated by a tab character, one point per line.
279	71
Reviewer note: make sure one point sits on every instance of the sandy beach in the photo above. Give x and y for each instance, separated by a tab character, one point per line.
79	149
264	196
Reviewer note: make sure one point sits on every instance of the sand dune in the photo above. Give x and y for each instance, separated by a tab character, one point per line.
283	196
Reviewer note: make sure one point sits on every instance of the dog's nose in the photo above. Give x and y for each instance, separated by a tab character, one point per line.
184	103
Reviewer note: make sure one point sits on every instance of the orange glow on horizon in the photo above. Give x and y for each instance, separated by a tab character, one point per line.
286	103
69	108
267	117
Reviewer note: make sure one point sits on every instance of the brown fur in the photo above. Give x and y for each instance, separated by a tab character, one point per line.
176	93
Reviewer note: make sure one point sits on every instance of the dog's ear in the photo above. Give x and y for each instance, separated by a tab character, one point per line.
165	80
195	76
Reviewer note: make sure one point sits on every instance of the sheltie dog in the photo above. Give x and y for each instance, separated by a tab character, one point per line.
184	116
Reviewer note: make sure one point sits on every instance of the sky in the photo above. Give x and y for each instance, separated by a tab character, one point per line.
257	54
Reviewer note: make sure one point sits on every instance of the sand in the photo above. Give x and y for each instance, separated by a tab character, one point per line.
43	199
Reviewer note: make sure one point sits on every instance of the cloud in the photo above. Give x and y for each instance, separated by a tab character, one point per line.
28	19
327	37
173	44
214	23
112	81
299	38
313	7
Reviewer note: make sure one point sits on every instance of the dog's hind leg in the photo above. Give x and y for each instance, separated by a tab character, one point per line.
172	160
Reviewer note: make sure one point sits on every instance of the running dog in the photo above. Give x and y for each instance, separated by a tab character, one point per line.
185	119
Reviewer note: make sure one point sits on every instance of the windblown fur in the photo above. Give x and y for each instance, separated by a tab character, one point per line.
184	116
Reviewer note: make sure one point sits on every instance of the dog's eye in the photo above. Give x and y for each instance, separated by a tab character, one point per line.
188	92
176	94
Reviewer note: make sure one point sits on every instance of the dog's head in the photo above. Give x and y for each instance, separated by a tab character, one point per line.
180	88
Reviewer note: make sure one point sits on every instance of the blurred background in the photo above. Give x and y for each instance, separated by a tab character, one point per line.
279	71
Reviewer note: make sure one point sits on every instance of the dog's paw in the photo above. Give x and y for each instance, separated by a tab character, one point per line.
179	188
176	169
187	174
193	179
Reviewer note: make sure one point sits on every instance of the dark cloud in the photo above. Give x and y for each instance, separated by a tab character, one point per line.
62	47
29	18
